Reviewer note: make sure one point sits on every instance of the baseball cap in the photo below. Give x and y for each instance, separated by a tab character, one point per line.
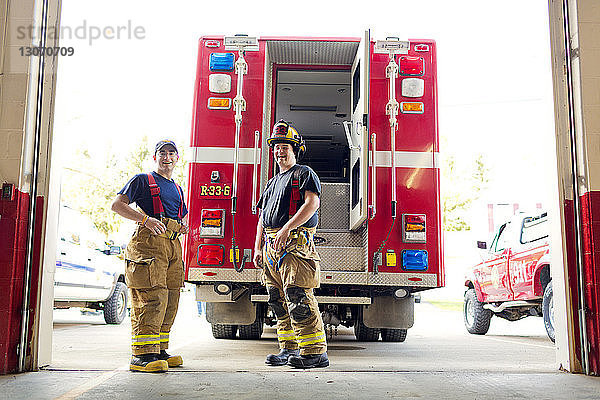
163	143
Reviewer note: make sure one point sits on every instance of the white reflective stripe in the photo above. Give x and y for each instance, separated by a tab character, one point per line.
215	155
408	159
164	337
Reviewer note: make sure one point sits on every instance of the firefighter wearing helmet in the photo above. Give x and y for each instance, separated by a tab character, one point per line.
285	249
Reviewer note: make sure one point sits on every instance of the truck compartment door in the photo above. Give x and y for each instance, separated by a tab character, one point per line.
358	132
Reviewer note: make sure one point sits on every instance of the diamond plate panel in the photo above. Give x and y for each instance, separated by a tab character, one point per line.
346	239
222	274
334	212
344	278
312	52
403	279
341	258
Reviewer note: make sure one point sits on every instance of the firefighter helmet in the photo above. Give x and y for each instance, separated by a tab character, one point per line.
285	133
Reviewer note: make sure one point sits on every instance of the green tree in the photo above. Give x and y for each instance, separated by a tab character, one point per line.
460	188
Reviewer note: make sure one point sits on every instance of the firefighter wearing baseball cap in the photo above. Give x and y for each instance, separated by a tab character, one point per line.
285	249
154	270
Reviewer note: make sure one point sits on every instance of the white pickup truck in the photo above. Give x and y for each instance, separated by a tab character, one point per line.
88	272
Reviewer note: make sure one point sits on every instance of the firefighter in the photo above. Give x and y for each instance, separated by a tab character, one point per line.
154	269
285	249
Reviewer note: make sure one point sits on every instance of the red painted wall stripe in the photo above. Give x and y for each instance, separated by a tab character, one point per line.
13	254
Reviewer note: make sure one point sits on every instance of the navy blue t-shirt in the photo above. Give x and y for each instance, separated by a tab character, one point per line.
138	191
275	200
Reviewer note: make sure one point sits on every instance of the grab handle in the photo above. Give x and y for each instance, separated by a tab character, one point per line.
254	172
372	206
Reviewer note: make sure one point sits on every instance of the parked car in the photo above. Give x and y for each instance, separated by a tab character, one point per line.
514	280
88	272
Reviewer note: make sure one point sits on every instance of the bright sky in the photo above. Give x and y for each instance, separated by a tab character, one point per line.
495	88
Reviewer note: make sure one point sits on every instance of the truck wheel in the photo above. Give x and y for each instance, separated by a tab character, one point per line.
365	334
548	311
477	319
221	331
115	308
252	331
393	335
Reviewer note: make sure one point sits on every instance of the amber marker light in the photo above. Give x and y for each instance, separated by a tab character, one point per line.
412	108
219	103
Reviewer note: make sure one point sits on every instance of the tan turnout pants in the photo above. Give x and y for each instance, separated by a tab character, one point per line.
290	276
154	276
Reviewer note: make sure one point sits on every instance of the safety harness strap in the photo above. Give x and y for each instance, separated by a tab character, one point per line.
295	198
157	203
180	211
155	192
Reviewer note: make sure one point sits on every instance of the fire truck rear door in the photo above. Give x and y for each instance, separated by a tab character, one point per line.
359	132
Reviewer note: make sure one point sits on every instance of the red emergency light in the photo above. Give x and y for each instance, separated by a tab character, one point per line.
412	66
211	254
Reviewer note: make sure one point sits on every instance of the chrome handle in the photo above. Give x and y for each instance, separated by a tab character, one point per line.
348	130
373	178
254	171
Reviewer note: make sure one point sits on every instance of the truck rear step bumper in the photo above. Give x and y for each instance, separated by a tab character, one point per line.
321	299
251	275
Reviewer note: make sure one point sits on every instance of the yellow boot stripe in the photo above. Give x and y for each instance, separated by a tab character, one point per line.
312	339
140	340
145	343
304	344
312	335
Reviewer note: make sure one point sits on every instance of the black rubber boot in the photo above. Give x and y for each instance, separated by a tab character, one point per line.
281	358
309	361
148	363
173	361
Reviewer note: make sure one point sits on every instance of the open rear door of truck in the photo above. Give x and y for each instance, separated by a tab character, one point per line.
358	132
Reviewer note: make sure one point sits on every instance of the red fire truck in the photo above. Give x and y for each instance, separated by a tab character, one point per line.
368	113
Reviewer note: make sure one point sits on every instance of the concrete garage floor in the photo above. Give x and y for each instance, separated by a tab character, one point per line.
438	360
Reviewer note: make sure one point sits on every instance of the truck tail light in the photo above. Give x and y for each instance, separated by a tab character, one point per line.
211	254
212	223
414	260
411	66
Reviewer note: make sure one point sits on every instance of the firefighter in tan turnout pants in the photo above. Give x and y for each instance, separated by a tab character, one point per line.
154	272
285	249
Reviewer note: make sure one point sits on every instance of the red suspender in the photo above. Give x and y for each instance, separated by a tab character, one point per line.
157	203
155	191
295	198
180	211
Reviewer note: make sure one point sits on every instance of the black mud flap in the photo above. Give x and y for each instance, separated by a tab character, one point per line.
241	312
389	312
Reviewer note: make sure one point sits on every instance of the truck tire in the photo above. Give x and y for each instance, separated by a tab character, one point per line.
221	331
476	318
115	308
365	334
252	331
548	311
393	335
